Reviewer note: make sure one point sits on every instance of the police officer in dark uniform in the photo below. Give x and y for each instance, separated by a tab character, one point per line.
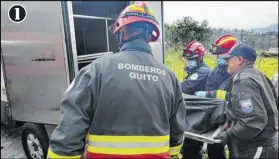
197	72
217	84
125	105
252	110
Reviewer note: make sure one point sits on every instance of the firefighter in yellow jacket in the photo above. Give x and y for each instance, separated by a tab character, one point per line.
125	105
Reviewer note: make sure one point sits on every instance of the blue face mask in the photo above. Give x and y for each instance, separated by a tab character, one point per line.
221	62
192	64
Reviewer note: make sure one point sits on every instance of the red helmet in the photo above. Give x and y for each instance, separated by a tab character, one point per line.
193	50
134	13
223	44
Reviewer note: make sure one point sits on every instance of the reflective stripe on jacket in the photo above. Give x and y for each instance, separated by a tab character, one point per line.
130	146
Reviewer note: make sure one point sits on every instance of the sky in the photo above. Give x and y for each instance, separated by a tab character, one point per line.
240	15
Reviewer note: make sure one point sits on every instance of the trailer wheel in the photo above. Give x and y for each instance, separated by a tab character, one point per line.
34	140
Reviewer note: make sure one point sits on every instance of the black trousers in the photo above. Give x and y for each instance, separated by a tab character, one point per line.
216	151
270	152
191	149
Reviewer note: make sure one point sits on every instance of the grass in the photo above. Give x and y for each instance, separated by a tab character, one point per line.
173	60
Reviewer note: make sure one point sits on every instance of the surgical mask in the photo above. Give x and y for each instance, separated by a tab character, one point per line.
221	62
192	64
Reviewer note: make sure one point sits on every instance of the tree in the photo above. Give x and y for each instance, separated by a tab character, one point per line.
185	30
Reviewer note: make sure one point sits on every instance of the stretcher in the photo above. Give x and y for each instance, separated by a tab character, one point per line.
205	118
208	136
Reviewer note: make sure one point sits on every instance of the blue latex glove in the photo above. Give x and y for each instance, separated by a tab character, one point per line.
200	93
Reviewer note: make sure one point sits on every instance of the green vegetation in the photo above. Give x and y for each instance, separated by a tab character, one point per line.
174	61
186	29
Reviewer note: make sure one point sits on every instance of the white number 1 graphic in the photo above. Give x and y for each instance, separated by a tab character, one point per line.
17	14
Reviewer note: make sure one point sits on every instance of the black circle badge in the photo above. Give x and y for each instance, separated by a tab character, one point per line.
17	13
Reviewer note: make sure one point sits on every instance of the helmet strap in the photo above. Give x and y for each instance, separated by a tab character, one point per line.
198	61
146	32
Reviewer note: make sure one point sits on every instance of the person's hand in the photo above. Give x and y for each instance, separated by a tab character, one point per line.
222	137
200	93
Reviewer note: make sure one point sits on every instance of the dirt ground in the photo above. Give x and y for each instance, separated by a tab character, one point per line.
11	143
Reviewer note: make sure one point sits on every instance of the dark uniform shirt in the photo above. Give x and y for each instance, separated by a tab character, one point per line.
217	79
217	83
195	81
251	108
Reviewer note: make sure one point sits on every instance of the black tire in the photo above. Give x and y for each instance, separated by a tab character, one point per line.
39	131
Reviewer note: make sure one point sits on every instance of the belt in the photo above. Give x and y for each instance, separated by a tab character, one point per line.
268	142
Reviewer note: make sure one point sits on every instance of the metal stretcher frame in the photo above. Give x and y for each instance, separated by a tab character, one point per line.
208	136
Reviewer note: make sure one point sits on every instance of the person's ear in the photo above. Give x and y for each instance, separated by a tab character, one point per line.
241	59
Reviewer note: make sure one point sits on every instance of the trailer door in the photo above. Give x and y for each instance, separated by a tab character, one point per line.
3	87
89	36
4	99
88	32
34	61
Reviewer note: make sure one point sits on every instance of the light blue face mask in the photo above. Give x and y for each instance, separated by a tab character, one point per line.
191	64
221	62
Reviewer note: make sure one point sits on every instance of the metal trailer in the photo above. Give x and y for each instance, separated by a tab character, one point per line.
41	55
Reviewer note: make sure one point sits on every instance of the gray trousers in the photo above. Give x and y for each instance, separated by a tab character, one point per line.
254	152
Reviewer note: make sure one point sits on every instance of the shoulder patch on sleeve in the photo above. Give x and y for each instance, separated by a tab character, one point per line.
246	105
194	76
